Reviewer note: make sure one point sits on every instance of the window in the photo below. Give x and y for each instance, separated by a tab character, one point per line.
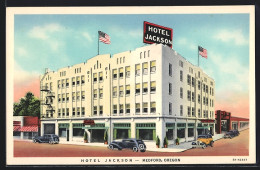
63	112
127	90
212	92
181	75
63	97
193	96
73	96
188	95
59	114
181	93
180	63
121	72
67	97
67	112
114	109
100	110
127	108
170	108
101	93
114	91
137	69
95	77
193	111
170	69
153	66
51	86
73	81
78	80
181	110
153	87
95	110
82	111
199	114
188	109
206	88
199	85
63	83
193	81
114	73
83	95
137	107
127	71
204	100
78	95
199	98
188	79
153	107
95	93
207	101
212	103
137	89
58	84
78	111
170	88
73	111
145	68
121	108
59	99
204	113
145	107
67	82
145	88
199	74
100	76
82	80
121	91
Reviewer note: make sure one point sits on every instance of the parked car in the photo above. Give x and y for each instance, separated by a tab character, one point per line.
232	133
47	138
203	141
134	144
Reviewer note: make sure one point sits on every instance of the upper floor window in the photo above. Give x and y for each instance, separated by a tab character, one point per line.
121	72
114	73
181	92
63	83
101	93
73	81
145	107
153	66
170	69
67	97
100	76
170	88
181	75
137	88
82	79
188	95
199	85
63	97
100	110
114	91
193	81
73	96
67	82
145	87
188	109
78	95
78	80
95	110
95	93
121	108
153	87
193	111
137	107
83	95
145	68
193	96
188	79
137	69
170	108
59	84
114	109
153	107
127	108
95	77
121	91
127	71
181	110
181	63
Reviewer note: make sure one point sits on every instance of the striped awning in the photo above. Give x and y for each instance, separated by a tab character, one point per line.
29	129
17	128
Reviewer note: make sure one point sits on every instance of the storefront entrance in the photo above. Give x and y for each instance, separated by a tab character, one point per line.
49	128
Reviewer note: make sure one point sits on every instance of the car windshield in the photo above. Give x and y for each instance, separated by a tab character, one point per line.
201	136
139	141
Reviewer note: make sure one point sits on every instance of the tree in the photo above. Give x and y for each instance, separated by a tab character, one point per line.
28	106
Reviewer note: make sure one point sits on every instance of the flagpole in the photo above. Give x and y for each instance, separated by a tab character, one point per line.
98	43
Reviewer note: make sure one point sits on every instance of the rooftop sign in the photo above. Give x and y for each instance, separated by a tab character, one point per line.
157	34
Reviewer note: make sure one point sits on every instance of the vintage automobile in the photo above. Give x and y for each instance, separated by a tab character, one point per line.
134	144
47	138
203	141
230	134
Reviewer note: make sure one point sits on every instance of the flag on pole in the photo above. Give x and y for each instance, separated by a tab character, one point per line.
103	37
203	52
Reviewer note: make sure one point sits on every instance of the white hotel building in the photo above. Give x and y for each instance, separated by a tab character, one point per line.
149	92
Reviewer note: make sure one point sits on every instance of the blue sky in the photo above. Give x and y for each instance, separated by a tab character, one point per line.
55	41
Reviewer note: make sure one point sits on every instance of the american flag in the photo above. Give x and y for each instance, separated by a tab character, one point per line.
203	52
103	37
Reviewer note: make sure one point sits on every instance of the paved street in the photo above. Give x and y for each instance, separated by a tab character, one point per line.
238	146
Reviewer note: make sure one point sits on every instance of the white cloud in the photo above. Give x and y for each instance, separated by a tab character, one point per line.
43	32
87	36
232	36
186	43
22	52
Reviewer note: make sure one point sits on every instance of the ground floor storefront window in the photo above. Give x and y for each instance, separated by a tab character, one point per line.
181	130
97	132
169	131
77	130
146	131
122	131
49	128
63	129
190	129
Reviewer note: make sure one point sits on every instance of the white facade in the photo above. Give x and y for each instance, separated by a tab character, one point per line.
101	92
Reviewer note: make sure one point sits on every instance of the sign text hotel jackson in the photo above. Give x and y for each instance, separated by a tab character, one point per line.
157	34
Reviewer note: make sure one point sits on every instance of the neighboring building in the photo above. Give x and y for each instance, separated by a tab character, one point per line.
25	127
226	122
151	91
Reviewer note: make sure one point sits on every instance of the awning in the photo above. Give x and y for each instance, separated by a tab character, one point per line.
17	128
29	129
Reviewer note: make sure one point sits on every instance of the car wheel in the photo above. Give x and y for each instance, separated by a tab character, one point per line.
204	146
141	146
56	141
135	149
50	142
111	147
34	141
211	143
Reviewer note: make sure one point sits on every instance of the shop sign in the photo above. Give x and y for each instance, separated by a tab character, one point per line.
207	121
157	34
88	122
